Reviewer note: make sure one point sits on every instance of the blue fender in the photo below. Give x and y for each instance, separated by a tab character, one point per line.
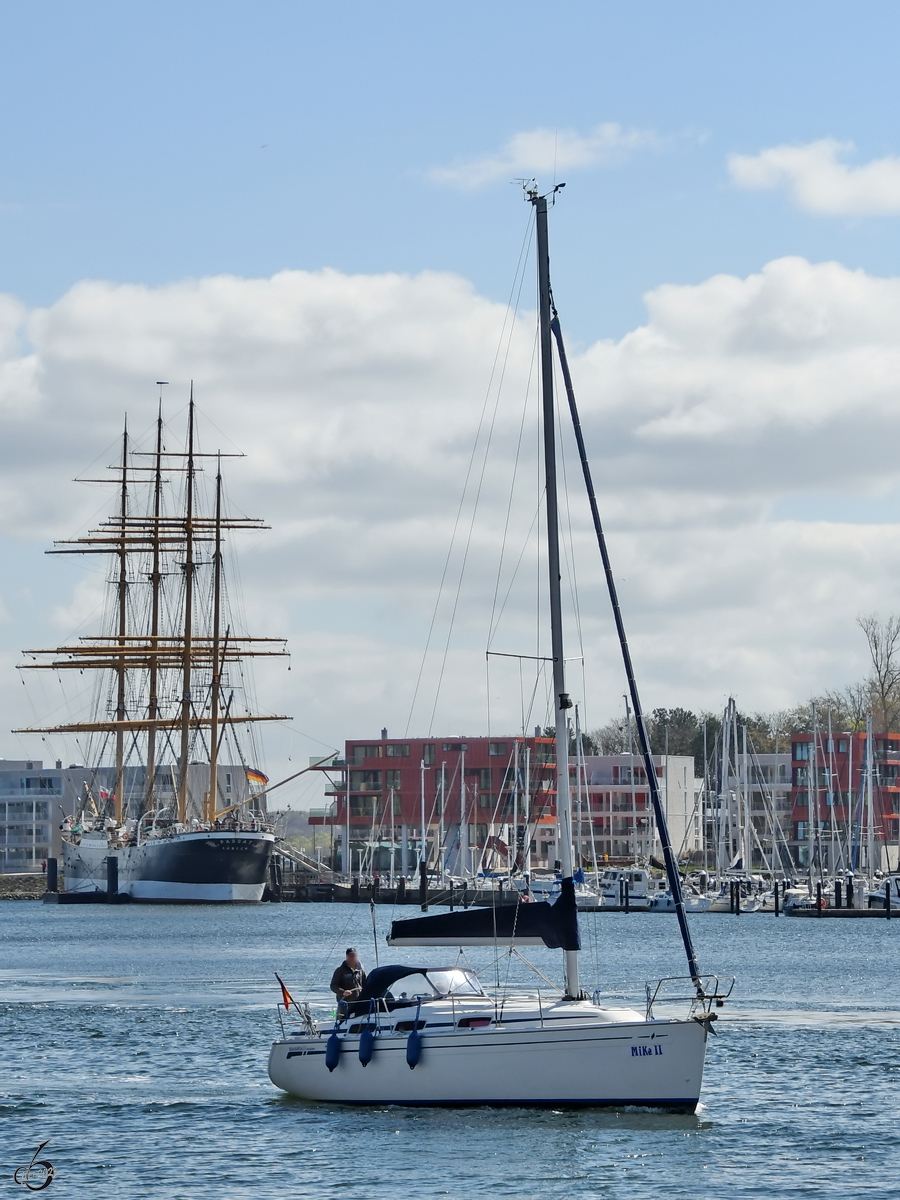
333	1051
366	1044
414	1042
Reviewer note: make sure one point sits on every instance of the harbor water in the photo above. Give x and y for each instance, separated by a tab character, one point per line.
135	1039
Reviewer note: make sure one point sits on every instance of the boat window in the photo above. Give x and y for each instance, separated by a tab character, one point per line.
456	982
411	987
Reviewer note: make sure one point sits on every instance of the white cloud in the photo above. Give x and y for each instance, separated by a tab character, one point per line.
818	181
356	399
542	152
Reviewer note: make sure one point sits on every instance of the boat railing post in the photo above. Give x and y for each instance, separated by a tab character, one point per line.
541	1008
887	899
776	897
627	896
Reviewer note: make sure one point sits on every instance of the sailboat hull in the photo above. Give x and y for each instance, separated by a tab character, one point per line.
652	1064
221	867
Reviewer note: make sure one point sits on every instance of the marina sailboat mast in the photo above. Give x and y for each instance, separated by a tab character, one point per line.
562	702
167	659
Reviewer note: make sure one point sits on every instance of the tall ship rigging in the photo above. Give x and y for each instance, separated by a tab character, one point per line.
157	818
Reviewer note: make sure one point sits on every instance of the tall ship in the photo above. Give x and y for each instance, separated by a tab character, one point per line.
157	818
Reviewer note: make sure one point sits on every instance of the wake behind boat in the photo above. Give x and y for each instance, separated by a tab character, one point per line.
432	1035
158	817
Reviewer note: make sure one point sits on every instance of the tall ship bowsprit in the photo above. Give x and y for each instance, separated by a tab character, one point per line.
159	819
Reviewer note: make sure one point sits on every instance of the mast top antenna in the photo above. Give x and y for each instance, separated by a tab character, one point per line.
533	192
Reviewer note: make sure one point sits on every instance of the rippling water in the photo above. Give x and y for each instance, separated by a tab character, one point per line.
136	1040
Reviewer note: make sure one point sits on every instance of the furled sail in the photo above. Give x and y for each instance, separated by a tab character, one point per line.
540	924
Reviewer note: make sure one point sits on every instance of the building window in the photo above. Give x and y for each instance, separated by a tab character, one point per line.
392	778
485	778
365	781
397	750
801	751
428	754
497	749
361	753
457	746
39	783
843	746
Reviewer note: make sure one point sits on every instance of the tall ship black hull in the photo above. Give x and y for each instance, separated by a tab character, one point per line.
203	867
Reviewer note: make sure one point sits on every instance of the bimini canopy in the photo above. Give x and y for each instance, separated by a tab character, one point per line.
419	981
540	924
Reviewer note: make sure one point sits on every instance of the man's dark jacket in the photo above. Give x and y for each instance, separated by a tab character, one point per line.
348	979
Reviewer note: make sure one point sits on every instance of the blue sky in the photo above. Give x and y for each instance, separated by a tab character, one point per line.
725	260
148	143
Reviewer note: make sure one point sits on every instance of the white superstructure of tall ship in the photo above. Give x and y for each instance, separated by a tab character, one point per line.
171	695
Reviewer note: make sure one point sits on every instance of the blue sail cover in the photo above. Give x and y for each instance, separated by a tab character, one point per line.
539	924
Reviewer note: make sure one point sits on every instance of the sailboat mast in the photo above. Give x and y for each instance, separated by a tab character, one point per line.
561	700
212	796
155	582
870	798
463	824
188	621
122	630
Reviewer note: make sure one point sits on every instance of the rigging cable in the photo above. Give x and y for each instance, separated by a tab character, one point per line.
649	765
506	319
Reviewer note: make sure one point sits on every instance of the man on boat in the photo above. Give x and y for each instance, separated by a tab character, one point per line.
348	979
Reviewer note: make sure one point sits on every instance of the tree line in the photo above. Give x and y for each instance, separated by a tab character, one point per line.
848	708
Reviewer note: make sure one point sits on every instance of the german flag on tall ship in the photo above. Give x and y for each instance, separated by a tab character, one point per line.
257	777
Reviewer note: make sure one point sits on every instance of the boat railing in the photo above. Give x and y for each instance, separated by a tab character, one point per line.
704	994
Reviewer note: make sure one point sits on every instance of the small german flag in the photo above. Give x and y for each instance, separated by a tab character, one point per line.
257	777
286	996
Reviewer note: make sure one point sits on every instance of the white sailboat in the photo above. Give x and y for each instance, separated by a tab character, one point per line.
432	1035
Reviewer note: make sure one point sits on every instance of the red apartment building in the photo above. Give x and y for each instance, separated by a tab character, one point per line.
472	779
840	810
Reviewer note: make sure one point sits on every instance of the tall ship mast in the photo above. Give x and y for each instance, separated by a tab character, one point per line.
159	819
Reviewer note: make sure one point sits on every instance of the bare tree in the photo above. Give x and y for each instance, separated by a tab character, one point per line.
850	706
883	637
612	738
